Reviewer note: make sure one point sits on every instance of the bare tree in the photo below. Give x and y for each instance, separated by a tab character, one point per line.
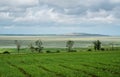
112	46
97	45
32	48
69	44
39	43
18	45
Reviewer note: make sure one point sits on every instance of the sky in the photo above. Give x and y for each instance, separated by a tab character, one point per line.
60	16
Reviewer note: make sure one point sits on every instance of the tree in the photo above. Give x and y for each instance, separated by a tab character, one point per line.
112	46
69	44
97	45
31	47
18	45
39	43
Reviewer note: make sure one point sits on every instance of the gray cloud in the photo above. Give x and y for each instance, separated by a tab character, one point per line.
18	3
38	12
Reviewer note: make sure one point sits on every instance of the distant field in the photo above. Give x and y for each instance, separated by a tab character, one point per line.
57	41
77	64
64	64
61	38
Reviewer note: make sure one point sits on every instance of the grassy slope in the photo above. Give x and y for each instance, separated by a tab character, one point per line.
77	64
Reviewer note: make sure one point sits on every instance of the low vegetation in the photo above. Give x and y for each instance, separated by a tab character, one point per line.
36	60
76	64
18	45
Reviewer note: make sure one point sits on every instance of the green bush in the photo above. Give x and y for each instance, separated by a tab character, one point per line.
48	51
102	49
89	49
58	51
6	52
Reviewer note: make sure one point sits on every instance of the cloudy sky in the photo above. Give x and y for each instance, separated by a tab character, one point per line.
60	16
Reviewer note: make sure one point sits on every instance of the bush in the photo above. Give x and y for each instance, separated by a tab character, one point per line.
58	51
73	51
89	50
107	49
48	51
6	52
102	49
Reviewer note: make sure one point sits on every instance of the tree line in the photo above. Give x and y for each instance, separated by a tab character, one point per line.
38	46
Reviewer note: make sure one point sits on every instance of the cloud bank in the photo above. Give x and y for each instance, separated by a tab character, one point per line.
59	12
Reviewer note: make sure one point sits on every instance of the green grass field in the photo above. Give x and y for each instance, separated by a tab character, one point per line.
63	64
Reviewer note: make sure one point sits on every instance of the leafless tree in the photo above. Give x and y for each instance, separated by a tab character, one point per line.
31	47
18	45
39	43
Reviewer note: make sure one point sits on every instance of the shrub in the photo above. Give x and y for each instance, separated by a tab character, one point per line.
58	51
6	52
89	50
48	51
73	51
102	49
107	49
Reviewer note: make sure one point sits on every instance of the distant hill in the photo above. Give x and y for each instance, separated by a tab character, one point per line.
84	34
69	34
27	34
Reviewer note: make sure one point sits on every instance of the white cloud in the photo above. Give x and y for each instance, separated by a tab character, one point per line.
60	11
5	15
100	16
72	3
19	2
36	15
9	27
115	1
49	15
58	14
107	19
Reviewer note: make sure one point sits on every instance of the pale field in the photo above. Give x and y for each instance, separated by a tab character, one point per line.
57	41
61	38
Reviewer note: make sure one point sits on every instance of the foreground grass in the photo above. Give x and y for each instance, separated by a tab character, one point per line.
75	64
